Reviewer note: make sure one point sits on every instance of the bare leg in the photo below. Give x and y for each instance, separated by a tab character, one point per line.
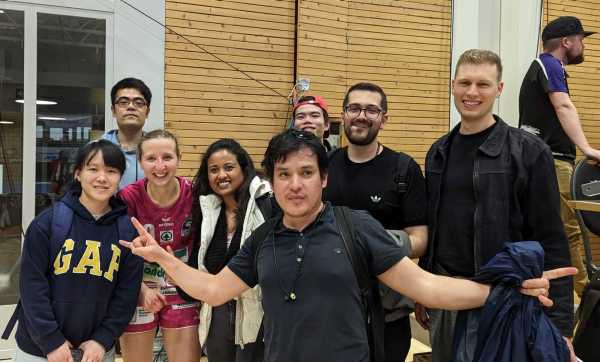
137	347
182	344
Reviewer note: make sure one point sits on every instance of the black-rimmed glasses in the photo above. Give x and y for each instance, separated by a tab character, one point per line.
371	112
137	102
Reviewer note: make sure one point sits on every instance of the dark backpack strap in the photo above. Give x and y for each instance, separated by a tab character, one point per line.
268	206
400	178
369	289
125	228
344	224
62	218
12	321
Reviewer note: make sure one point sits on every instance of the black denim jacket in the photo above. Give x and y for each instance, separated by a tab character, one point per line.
516	198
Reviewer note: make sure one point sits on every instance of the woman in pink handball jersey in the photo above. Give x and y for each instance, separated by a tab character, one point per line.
162	202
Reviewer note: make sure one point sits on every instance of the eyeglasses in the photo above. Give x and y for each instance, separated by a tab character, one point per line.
137	102
371	112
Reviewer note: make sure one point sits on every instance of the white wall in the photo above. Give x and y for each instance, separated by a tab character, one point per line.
508	27
139	45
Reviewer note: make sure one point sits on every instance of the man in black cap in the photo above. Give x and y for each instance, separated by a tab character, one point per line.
546	109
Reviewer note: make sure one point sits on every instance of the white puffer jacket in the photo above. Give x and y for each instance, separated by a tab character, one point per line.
249	312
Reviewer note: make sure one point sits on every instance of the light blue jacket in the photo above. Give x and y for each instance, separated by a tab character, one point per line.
133	169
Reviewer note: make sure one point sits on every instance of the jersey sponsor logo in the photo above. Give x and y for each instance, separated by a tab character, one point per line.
150	229
166	223
153	270
166	236
376	199
186	228
168	290
89	263
142	316
181	254
184	306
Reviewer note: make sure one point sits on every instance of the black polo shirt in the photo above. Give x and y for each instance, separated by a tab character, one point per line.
325	322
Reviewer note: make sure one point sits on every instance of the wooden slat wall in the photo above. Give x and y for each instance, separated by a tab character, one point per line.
206	99
584	77
403	46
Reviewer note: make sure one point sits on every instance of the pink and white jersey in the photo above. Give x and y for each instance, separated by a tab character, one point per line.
170	225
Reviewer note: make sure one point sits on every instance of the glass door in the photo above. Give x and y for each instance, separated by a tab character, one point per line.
53	76
71	63
11	149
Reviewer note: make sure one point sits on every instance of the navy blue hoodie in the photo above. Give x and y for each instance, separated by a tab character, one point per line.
83	287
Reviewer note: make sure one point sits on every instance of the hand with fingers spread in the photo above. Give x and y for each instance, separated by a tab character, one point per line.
92	351
61	354
151	299
538	287
144	245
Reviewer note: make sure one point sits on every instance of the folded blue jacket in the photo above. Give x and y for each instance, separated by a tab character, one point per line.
510	326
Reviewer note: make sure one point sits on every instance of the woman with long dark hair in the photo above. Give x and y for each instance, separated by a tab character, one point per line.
230	201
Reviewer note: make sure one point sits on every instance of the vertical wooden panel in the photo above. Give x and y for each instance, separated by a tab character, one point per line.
208	97
584	77
403	46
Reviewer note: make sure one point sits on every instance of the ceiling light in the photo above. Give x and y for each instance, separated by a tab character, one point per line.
48	118
7	122
39	102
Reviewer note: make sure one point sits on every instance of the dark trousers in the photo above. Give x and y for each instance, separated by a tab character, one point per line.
220	343
397	340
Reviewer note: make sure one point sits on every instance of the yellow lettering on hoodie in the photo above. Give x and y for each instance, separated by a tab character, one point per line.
90	259
114	262
63	259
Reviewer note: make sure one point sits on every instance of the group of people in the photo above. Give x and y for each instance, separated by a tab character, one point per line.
290	293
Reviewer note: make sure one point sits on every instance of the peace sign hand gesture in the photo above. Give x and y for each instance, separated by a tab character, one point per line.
144	245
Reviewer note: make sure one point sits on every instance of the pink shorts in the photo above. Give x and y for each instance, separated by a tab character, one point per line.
176	314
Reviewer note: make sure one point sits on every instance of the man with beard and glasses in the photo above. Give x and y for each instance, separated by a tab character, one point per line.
366	175
546	110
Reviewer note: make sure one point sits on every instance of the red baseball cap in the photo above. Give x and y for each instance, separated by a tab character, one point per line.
316	100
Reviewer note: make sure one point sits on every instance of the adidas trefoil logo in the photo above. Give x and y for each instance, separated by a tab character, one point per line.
375	198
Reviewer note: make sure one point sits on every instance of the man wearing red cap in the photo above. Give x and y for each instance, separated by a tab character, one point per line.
546	110
310	114
366	175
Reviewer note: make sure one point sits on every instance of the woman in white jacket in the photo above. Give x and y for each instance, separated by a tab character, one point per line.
227	195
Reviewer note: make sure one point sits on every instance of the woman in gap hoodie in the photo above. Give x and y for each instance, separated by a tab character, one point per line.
78	286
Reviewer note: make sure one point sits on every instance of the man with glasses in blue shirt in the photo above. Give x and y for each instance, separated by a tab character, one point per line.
366	175
130	99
